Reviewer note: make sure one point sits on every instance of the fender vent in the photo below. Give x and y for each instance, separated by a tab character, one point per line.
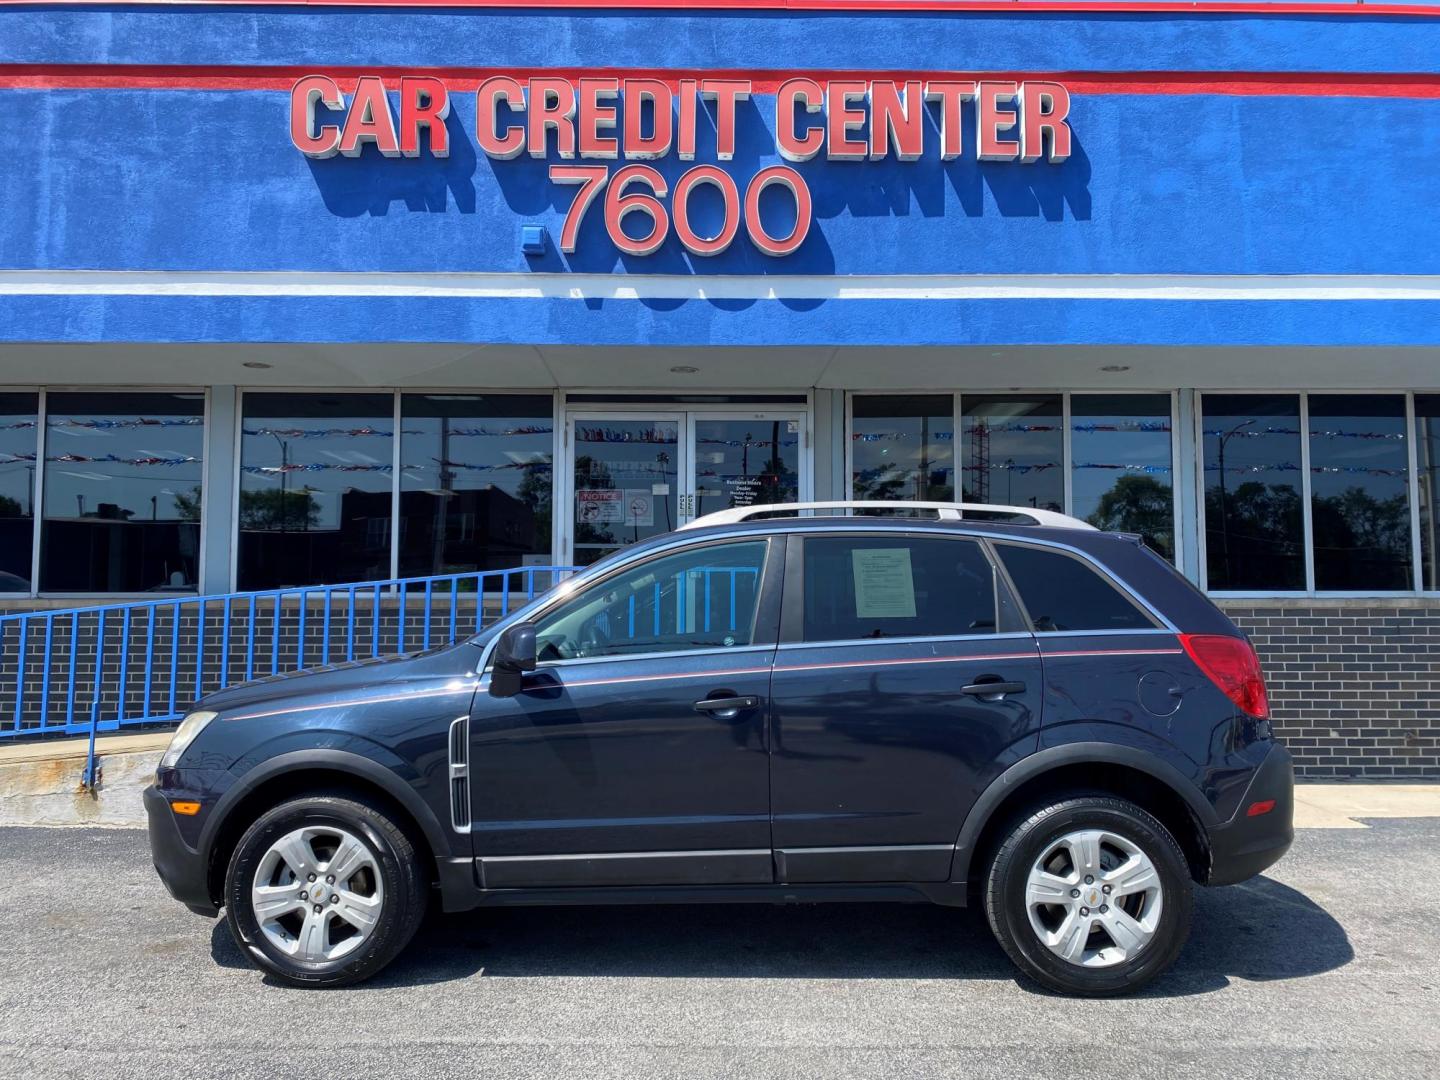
460	774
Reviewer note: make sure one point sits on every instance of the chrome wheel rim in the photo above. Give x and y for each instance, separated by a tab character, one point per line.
1094	898
317	893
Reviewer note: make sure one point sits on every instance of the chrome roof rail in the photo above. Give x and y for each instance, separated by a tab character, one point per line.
944	511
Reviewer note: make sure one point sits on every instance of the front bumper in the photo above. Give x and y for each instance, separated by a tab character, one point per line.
1244	846
181	867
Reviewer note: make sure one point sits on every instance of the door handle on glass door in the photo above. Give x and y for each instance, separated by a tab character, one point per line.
726	708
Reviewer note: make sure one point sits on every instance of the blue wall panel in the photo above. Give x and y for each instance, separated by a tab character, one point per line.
206	180
1023	41
701	322
160	179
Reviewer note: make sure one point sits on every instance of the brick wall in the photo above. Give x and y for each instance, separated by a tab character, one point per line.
1354	684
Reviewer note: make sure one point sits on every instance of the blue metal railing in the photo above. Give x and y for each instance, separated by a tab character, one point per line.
103	668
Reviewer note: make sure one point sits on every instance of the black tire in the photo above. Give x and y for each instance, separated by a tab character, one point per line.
402	905
1028	839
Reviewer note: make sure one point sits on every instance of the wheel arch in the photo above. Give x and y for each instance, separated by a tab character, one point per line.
308	771
1144	779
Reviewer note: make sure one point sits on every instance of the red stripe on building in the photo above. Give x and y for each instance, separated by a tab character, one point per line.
461	79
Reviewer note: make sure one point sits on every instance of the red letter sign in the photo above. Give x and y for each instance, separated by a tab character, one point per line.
552	105
637	93
990	120
492	140
304	96
901	118
595	118
841	120
424	102
950	95
370	120
725	92
1043	108
788	178
791	146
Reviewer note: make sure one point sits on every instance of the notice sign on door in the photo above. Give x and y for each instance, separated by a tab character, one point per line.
597	507
884	586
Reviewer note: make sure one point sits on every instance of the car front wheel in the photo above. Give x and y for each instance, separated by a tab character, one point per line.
1090	896
324	890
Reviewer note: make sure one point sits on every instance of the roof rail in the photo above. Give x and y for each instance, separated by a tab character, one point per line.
945	511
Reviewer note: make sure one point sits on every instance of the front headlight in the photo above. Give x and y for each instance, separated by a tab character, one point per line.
185	734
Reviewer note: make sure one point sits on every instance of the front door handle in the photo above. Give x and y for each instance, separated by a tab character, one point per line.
993	689
726	708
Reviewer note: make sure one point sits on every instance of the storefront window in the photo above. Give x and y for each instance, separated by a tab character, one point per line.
1254	531
1427	453
122	492
19	437
1359	492
1121	471
1013	447
475	482
903	447
315	489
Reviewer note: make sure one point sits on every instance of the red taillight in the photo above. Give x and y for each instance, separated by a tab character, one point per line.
1233	666
1258	808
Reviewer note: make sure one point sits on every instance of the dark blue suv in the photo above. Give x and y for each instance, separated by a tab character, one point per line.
1047	721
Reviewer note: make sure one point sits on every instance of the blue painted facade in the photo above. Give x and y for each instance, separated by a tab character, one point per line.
1339	182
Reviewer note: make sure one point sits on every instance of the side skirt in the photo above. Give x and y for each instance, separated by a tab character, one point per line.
947	894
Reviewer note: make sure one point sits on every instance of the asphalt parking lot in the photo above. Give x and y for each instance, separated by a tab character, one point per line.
1329	966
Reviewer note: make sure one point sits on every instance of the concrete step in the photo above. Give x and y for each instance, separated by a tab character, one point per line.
40	781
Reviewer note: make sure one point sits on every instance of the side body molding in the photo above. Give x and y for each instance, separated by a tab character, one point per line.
1080	753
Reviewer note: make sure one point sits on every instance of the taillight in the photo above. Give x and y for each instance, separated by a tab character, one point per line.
1232	665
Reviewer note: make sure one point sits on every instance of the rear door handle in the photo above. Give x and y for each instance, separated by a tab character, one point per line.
726	708
993	688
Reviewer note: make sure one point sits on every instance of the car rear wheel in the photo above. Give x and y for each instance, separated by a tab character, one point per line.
1090	896
324	890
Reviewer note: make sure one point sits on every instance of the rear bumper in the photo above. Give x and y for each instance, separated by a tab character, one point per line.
181	868
1245	846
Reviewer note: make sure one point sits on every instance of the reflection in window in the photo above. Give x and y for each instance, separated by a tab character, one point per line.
1121	472
745	463
1427	451
903	447
1013	448
626	483
19	437
315	480
475	480
122	492
1359	491
701	598
1254	533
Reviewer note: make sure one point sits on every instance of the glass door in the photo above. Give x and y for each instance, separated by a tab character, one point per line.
625	473
631	475
746	459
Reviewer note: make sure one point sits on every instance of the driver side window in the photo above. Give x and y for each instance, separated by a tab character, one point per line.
700	598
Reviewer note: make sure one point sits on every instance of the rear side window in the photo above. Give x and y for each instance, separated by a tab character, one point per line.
1064	593
896	586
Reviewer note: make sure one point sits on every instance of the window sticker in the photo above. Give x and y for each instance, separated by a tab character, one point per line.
884	585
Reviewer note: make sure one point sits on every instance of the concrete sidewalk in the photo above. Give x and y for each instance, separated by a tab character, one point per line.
40	785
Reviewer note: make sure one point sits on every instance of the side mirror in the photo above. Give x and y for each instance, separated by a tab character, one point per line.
514	655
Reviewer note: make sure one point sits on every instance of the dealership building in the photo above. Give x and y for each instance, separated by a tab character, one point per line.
305	294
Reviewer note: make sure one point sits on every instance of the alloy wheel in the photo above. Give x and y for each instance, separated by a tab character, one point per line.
1094	898
317	893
